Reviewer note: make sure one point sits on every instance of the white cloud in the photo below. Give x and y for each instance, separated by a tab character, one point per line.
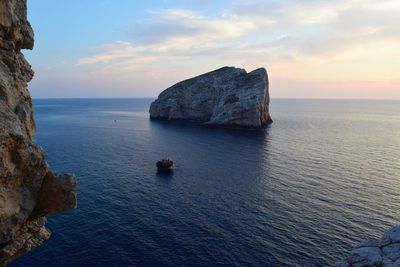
313	39
109	52
173	33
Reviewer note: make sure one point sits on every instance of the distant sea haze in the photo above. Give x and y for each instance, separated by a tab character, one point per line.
303	191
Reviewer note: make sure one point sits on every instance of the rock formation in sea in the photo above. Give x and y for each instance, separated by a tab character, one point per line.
28	189
383	252
227	96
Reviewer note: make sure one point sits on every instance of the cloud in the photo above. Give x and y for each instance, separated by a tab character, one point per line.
109	52
321	27
172	32
313	39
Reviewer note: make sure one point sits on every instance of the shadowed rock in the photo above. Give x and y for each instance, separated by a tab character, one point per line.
164	164
57	193
227	96
28	190
376	253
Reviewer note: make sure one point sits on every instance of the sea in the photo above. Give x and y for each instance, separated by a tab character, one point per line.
301	192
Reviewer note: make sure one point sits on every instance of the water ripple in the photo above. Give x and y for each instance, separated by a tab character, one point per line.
302	192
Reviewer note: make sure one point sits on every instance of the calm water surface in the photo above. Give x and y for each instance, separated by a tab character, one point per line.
302	192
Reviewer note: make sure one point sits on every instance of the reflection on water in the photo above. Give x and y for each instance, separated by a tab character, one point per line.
302	191
127	113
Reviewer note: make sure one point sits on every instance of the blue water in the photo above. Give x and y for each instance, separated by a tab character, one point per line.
302	192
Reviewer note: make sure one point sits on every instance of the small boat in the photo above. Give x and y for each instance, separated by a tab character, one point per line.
165	164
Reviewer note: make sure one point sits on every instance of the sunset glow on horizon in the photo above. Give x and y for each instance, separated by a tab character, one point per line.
311	48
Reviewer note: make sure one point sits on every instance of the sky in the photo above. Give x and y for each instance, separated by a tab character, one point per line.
126	48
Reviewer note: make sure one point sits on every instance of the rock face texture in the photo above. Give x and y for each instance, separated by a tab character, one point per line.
28	190
227	96
384	252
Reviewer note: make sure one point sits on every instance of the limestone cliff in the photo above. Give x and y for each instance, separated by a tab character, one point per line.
227	96
28	190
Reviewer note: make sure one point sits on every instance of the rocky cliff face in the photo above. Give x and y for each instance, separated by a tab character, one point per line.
28	190
227	96
384	252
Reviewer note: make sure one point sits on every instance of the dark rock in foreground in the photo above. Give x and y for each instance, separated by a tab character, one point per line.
384	252
227	96
28	189
164	164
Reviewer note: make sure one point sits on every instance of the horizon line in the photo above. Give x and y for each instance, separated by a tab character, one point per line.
278	98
